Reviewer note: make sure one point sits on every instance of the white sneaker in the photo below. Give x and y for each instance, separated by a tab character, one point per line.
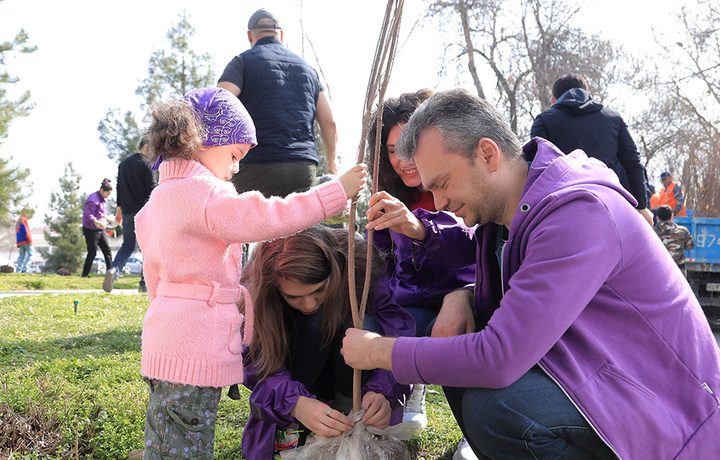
464	451
414	410
109	282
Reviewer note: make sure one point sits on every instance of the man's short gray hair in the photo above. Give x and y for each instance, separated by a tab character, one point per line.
462	120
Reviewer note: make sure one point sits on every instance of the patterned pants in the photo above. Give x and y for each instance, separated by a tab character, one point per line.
180	421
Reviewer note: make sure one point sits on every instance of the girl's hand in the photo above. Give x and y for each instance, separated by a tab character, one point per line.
320	418
354	180
377	410
386	211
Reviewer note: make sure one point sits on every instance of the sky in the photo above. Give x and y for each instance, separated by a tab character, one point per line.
93	54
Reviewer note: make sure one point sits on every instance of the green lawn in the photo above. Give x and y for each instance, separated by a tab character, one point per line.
70	385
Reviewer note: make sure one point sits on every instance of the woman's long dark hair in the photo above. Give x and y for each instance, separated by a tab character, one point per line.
309	257
394	111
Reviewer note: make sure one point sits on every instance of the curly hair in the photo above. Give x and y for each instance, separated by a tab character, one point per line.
175	131
394	111
315	255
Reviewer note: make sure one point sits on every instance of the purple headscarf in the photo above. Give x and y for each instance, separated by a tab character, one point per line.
226	119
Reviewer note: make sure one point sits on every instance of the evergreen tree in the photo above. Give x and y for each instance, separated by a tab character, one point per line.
12	181
65	236
12	178
172	73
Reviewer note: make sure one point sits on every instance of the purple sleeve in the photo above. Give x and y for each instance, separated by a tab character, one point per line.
93	210
448	242
274	397
523	328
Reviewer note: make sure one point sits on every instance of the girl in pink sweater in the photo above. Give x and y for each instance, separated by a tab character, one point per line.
191	232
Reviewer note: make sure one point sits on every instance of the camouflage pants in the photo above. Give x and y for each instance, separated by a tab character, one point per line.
180	421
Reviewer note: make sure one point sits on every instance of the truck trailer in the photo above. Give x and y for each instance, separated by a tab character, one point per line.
702	264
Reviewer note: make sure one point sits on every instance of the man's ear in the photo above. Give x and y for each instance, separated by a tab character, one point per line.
250	38
488	152
281	35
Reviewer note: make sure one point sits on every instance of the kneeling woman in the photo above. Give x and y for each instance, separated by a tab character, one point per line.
299	286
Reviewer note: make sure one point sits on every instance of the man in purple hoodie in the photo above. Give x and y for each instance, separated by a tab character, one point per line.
589	343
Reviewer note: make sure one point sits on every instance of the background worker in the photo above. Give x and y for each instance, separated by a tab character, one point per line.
284	97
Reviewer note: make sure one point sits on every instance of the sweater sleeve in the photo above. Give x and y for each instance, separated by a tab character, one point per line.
448	242
274	397
630	160
250	217
541	302
538	128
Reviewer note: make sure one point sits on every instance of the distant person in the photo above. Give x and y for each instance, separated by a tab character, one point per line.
94	226
676	238
23	238
296	374
284	96
428	252
654	198
673	195
577	121
190	233
135	183
581	339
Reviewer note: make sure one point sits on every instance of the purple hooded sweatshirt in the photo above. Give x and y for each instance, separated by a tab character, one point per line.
591	294
274	397
422	272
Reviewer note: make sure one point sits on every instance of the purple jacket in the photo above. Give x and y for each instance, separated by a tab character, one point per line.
274	397
93	210
422	272
582	275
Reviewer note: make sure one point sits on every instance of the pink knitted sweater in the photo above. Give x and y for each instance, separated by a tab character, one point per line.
190	233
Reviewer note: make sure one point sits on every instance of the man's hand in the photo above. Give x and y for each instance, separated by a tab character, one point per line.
320	418
456	315
367	350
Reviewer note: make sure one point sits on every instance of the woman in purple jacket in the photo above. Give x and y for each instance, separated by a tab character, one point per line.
94	226
293	365
428	253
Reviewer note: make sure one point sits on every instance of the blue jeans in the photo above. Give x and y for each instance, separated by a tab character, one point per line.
424	320
25	254
530	419
128	244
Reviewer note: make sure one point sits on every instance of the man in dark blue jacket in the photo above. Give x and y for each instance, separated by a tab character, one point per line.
576	121
283	95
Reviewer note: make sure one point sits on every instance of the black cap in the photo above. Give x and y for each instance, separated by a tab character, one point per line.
260	14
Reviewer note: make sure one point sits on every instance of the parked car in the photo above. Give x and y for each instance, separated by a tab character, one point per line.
133	266
98	265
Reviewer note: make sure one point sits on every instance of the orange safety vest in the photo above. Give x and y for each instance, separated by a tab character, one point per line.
655	200
667	196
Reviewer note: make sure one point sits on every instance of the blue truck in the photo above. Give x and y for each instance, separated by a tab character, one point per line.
703	264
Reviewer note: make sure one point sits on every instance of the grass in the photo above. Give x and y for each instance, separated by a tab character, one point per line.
53	282
70	385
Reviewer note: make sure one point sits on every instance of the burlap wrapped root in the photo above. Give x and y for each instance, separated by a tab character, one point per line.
360	443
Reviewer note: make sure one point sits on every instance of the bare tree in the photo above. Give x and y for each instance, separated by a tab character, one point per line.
680	130
522	48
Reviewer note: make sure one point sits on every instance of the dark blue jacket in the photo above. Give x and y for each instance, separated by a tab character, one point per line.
576	121
280	91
